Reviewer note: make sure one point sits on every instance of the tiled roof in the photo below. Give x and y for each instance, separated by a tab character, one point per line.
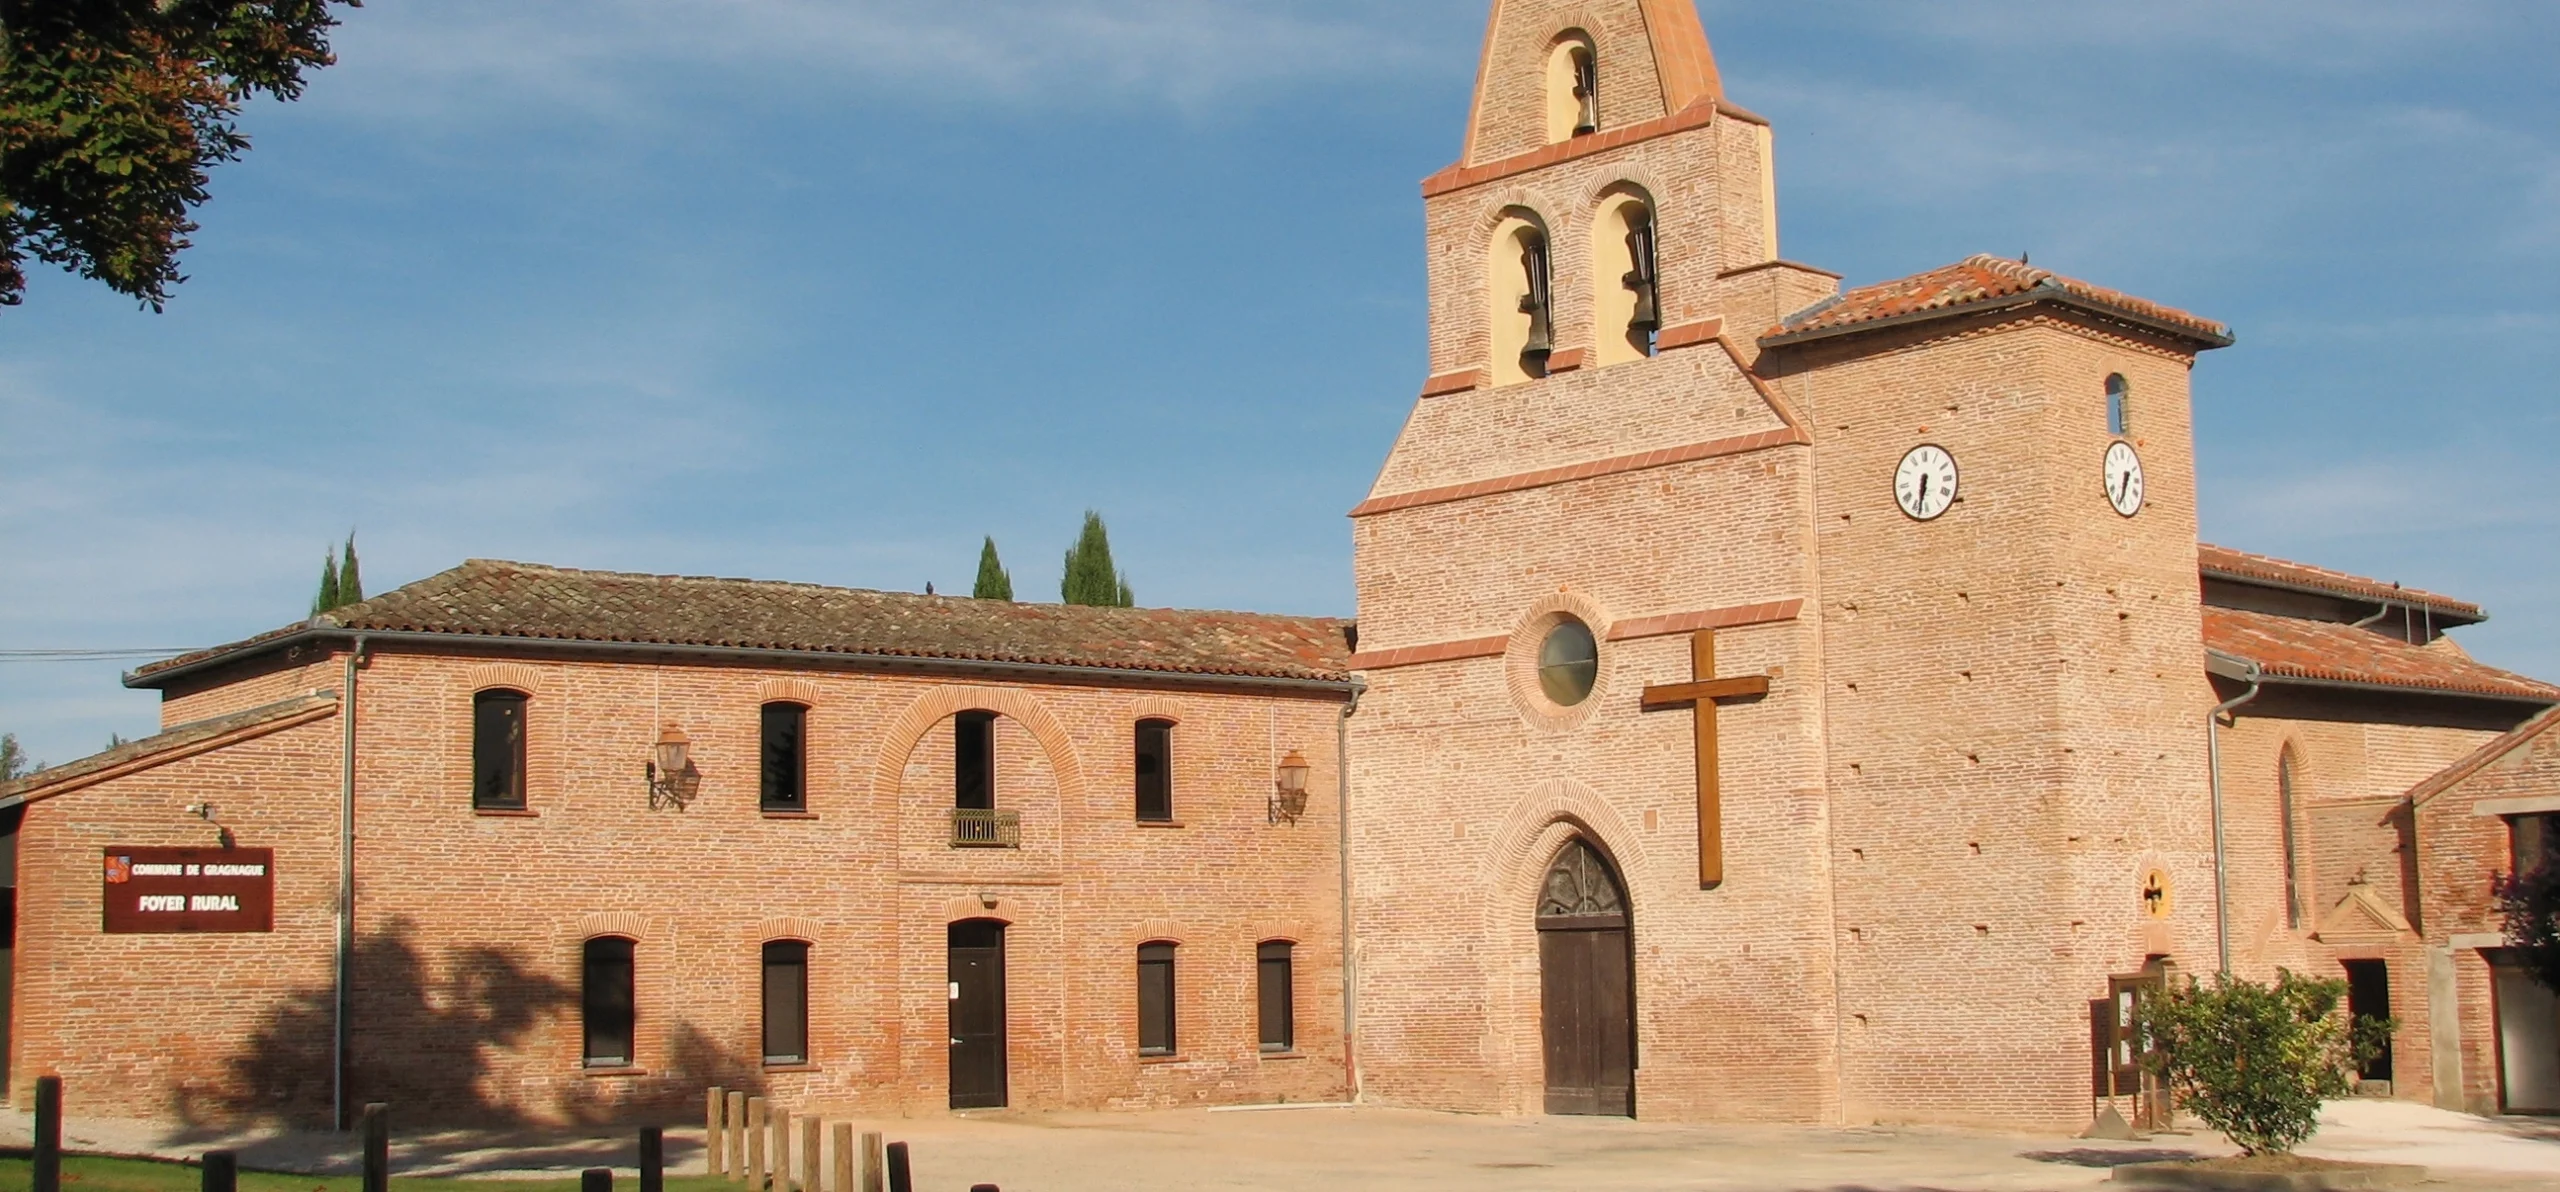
2290	648
2479	759
517	600
168	745
2220	562
1981	282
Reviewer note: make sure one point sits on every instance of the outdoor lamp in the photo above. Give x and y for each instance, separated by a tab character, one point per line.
673	780
1289	793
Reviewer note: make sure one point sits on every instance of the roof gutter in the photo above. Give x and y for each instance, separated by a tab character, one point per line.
969	667
2443	612
1789	339
2504	697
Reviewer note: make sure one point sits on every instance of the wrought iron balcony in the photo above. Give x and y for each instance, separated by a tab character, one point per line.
971	828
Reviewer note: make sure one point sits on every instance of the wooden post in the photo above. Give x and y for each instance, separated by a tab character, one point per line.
715	1151
47	1159
653	1159
781	1150
873	1179
900	1179
377	1147
845	1163
596	1179
734	1128
755	1145
809	1167
221	1171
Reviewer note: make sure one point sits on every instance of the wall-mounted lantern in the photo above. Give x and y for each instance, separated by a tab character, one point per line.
1289	790
673	780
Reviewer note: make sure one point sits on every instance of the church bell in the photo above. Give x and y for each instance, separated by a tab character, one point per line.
1539	302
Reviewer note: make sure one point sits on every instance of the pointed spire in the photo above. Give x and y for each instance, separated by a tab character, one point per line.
1654	53
1681	53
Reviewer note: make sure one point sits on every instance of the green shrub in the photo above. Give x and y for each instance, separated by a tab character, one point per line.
2255	1061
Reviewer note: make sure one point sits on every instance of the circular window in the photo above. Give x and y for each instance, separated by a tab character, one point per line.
1568	663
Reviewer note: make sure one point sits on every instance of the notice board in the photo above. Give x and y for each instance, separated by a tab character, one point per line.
163	891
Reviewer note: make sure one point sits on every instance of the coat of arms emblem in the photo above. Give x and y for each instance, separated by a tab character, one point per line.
119	870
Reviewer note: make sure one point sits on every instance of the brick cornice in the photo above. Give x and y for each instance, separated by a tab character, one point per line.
1767	612
1697	115
1456	382
1688	335
1789	436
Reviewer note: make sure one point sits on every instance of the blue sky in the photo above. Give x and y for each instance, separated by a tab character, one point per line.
827	291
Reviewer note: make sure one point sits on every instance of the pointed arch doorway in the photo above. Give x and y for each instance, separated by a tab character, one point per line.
1586	979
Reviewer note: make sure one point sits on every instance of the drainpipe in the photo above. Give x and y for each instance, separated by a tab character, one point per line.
2378	614
2247	672
1350	967
346	887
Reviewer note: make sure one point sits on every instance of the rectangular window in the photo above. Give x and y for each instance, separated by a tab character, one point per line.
2534	840
785	762
1155	999
1155	770
607	1002
786	1002
973	762
1279	995
497	750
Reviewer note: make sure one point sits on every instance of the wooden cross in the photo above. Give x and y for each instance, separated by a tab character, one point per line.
1702	693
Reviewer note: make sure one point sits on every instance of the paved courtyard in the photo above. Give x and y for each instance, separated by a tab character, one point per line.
1394	1150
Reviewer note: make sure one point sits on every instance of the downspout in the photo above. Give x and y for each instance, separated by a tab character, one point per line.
346	887
2247	672
1342	850
2378	614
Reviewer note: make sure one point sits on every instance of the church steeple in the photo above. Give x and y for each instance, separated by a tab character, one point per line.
1556	69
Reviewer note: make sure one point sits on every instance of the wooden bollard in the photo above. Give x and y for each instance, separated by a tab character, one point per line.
900	1178
47	1158
653	1159
596	1179
781	1150
221	1171
715	1138
733	1127
377	1147
756	1170
810	1128
846	1164
873	1178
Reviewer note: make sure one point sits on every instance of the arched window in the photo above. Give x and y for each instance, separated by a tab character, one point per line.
497	750
1155	770
785	753
2117	391
2285	781
1519	283
786	1002
1573	88
1155	999
1625	291
606	1003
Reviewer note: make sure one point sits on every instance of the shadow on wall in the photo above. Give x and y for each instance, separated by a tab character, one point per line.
425	1035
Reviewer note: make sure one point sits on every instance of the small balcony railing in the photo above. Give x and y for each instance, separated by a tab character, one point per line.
971	828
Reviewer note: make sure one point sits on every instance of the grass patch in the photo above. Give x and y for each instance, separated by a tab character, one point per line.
90	1173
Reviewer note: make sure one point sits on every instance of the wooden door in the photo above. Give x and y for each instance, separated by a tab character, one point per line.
977	1016
1587	988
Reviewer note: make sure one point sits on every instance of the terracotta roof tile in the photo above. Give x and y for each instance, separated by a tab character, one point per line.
2479	759
2219	562
1980	281
518	600
2289	648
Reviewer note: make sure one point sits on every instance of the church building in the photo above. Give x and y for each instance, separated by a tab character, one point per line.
1768	701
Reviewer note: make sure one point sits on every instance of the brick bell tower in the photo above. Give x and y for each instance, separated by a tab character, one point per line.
1592	869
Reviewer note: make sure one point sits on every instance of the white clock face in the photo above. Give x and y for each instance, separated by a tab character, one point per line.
1925	484
2124	478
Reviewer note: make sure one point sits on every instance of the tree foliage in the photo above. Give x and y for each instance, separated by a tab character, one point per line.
2530	904
2255	1061
327	597
14	762
350	584
112	111
994	582
1090	577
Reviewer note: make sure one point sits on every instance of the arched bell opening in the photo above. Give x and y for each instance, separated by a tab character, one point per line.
1520	289
1586	977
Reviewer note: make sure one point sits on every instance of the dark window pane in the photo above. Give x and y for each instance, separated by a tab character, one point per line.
608	1002
497	750
1155	769
2535	838
1155	999
786	1002
1278	1008
1568	663
783	756
973	762
2116	393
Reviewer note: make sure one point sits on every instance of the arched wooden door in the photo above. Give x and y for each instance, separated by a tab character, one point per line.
1586	976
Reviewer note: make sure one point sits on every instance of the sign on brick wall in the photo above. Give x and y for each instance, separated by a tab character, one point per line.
156	891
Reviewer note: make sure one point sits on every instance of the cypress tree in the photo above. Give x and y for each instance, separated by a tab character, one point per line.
994	583
1090	577
350	588
328	596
